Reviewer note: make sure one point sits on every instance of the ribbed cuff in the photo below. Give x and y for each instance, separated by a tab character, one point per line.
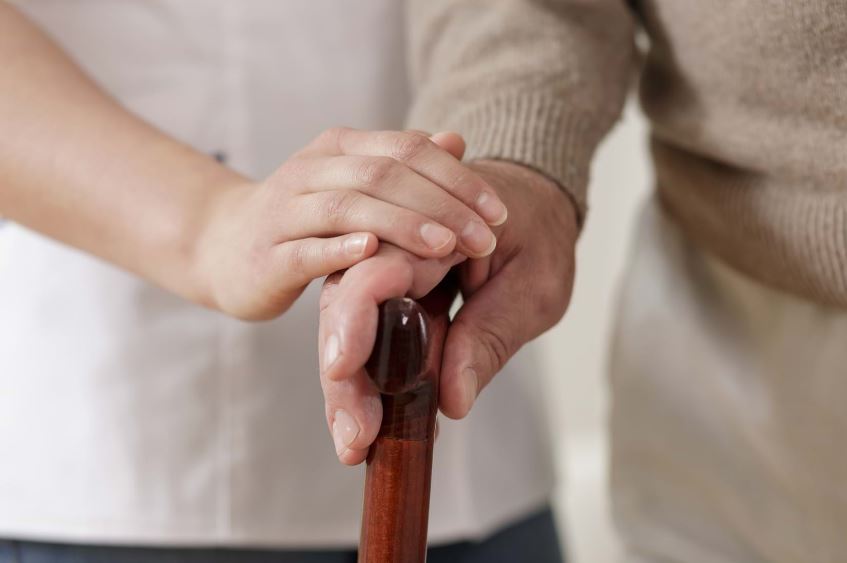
537	130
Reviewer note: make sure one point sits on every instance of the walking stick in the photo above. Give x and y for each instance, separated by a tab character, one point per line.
404	365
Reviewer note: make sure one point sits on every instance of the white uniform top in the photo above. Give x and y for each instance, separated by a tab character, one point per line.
129	415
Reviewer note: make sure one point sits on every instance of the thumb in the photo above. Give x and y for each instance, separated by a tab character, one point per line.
486	332
450	142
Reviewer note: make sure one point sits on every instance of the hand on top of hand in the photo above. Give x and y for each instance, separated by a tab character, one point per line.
510	297
325	208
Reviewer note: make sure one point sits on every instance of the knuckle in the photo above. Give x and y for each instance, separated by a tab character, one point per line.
405	225
340	206
497	346
400	265
466	181
330	251
409	145
491	331
332	135
373	171
325	252
451	212
490	336
298	257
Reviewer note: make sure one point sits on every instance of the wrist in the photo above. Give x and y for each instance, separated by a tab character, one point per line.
209	234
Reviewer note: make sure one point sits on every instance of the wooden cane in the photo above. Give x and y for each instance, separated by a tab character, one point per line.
404	365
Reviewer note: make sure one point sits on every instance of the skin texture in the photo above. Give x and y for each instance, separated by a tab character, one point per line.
77	167
510	297
395	185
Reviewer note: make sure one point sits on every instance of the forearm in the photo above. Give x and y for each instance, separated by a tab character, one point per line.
537	82
77	167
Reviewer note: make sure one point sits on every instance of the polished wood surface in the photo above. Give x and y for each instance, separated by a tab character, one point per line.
405	366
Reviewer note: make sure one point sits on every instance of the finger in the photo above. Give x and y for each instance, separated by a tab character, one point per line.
330	288
349	316
348	322
348	331
429	160
300	261
429	273
488	329
324	214
327	142
426	272
387	180
353	413
450	142
474	274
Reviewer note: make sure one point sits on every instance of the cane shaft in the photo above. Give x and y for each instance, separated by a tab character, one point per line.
405	366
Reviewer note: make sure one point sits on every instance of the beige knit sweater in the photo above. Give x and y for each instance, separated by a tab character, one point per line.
747	101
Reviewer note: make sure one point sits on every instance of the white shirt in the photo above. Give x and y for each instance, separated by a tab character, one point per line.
129	415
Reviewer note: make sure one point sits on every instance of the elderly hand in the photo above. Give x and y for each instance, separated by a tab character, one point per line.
510	297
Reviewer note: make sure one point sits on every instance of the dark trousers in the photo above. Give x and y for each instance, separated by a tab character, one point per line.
532	540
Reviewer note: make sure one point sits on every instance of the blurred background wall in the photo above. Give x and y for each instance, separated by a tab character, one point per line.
575	350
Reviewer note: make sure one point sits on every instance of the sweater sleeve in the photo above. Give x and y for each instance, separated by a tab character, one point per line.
537	82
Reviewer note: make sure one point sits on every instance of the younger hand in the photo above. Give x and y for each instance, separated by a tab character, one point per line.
324	209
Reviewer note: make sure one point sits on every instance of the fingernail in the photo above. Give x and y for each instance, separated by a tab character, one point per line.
470	382
355	245
435	236
330	351
479	238
491	209
344	431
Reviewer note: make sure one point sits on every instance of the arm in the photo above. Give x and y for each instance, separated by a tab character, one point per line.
532	85
535	82
76	166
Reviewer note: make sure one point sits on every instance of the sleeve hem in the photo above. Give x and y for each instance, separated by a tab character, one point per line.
537	130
